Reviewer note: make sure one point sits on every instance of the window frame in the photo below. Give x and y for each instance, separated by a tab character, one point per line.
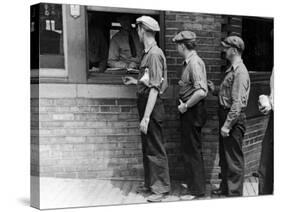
115	79
50	73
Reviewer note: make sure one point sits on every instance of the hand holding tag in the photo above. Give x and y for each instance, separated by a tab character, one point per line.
145	77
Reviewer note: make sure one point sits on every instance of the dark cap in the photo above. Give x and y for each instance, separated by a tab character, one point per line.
234	41
185	36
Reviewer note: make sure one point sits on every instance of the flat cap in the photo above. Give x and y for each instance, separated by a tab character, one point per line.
149	22
184	35
234	41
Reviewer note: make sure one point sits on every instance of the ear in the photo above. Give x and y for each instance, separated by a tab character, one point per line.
235	51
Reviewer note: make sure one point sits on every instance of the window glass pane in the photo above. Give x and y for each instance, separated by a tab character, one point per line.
34	37
51	36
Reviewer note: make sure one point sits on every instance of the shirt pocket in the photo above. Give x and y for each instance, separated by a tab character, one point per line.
226	87
228	81
184	80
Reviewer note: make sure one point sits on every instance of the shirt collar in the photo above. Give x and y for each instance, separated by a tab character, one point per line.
150	47
186	61
234	65
238	62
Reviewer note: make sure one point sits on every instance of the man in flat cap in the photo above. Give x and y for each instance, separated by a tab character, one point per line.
125	48
152	82
233	94
192	93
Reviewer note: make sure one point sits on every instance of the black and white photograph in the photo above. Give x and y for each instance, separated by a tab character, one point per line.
134	105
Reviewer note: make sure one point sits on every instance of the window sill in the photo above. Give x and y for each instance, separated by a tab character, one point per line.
44	75
108	78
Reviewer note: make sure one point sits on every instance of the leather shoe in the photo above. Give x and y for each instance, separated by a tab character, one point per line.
156	197
218	192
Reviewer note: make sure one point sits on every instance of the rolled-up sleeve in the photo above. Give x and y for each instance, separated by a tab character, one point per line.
155	71
239	96
198	76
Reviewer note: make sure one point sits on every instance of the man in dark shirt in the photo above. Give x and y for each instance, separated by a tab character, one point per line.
192	92
233	94
125	48
151	111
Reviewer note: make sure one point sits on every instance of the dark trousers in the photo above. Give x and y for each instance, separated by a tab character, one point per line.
266	161
231	155
155	160
192	122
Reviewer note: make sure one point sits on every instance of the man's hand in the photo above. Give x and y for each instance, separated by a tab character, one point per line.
132	65
211	86
129	80
224	132
264	104
182	107
265	109
144	125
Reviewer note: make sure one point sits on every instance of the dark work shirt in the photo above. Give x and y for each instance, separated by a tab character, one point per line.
193	77
154	63
119	55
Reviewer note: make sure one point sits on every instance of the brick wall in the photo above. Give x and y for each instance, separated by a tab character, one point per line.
252	143
87	138
97	137
209	34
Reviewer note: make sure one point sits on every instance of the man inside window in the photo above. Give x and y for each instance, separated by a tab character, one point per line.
125	48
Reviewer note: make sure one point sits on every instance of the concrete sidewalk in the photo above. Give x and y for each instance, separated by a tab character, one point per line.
64	193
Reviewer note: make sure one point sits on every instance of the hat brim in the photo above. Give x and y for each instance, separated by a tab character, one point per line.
183	40
225	44
149	28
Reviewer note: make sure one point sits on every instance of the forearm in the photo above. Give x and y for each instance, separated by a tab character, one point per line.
196	97
117	64
232	116
150	102
134	81
134	60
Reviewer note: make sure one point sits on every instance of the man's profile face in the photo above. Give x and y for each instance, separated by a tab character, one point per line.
140	33
229	52
180	48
